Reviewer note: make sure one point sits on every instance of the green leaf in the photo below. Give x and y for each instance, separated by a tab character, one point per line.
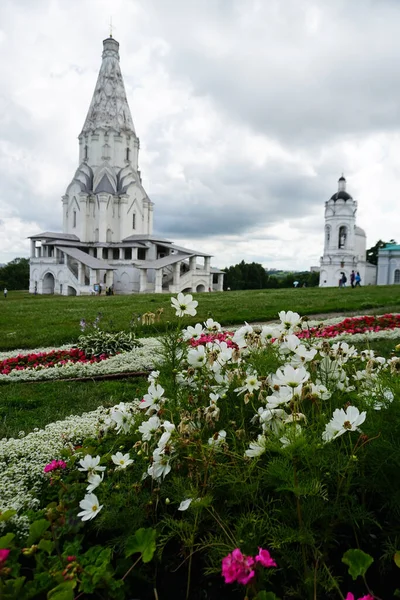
36	531
358	562
7	514
6	540
46	545
144	541
63	591
396	559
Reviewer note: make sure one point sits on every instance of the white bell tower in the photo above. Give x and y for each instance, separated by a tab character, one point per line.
345	243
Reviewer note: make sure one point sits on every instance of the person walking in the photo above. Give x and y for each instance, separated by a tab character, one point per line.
5	292
342	280
352	278
357	279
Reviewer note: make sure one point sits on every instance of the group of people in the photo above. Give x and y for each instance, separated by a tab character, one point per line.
355	279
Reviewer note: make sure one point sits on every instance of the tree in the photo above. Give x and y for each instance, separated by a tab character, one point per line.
246	276
372	253
15	274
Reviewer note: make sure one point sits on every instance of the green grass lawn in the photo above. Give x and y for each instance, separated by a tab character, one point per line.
28	321
26	406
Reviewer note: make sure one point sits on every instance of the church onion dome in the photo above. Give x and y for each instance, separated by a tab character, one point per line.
109	108
341	194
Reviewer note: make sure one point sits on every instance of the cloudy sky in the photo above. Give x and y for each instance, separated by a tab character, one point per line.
248	111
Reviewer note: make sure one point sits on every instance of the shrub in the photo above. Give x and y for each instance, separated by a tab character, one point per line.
100	342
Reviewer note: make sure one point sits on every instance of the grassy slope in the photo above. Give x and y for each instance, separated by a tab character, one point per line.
24	407
31	321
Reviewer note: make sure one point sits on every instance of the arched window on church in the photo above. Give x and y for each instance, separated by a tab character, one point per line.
134	221
127	153
342	237
396	276
86	153
74	219
109	236
327	234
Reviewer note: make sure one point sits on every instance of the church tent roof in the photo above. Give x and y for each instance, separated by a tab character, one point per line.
86	259
109	108
161	262
55	235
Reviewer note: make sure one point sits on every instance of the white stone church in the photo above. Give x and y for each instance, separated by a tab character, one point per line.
107	239
345	242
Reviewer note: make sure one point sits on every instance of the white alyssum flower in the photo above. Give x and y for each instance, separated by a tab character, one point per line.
90	507
184	305
90	464
342	421
121	460
257	448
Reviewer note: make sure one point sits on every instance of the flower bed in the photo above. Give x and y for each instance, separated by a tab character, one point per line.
354	325
45	360
275	457
139	359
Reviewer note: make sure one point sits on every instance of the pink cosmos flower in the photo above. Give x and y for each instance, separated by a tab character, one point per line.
264	558
350	596
3	556
55	464
238	567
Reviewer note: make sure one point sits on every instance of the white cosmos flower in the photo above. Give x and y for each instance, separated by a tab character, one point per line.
289	344
212	326
121	460
269	333
197	357
153	377
193	333
147	428
289	319
241	335
218	438
122	420
160	467
184	505
90	507
342	421
184	305
154	395
271	418
251	384
290	377
94	481
90	464
257	448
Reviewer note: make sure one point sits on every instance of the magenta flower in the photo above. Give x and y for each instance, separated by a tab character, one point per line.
55	464
3	556
238	567
264	558
350	596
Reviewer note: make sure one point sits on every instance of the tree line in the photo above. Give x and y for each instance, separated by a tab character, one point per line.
253	276
15	274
